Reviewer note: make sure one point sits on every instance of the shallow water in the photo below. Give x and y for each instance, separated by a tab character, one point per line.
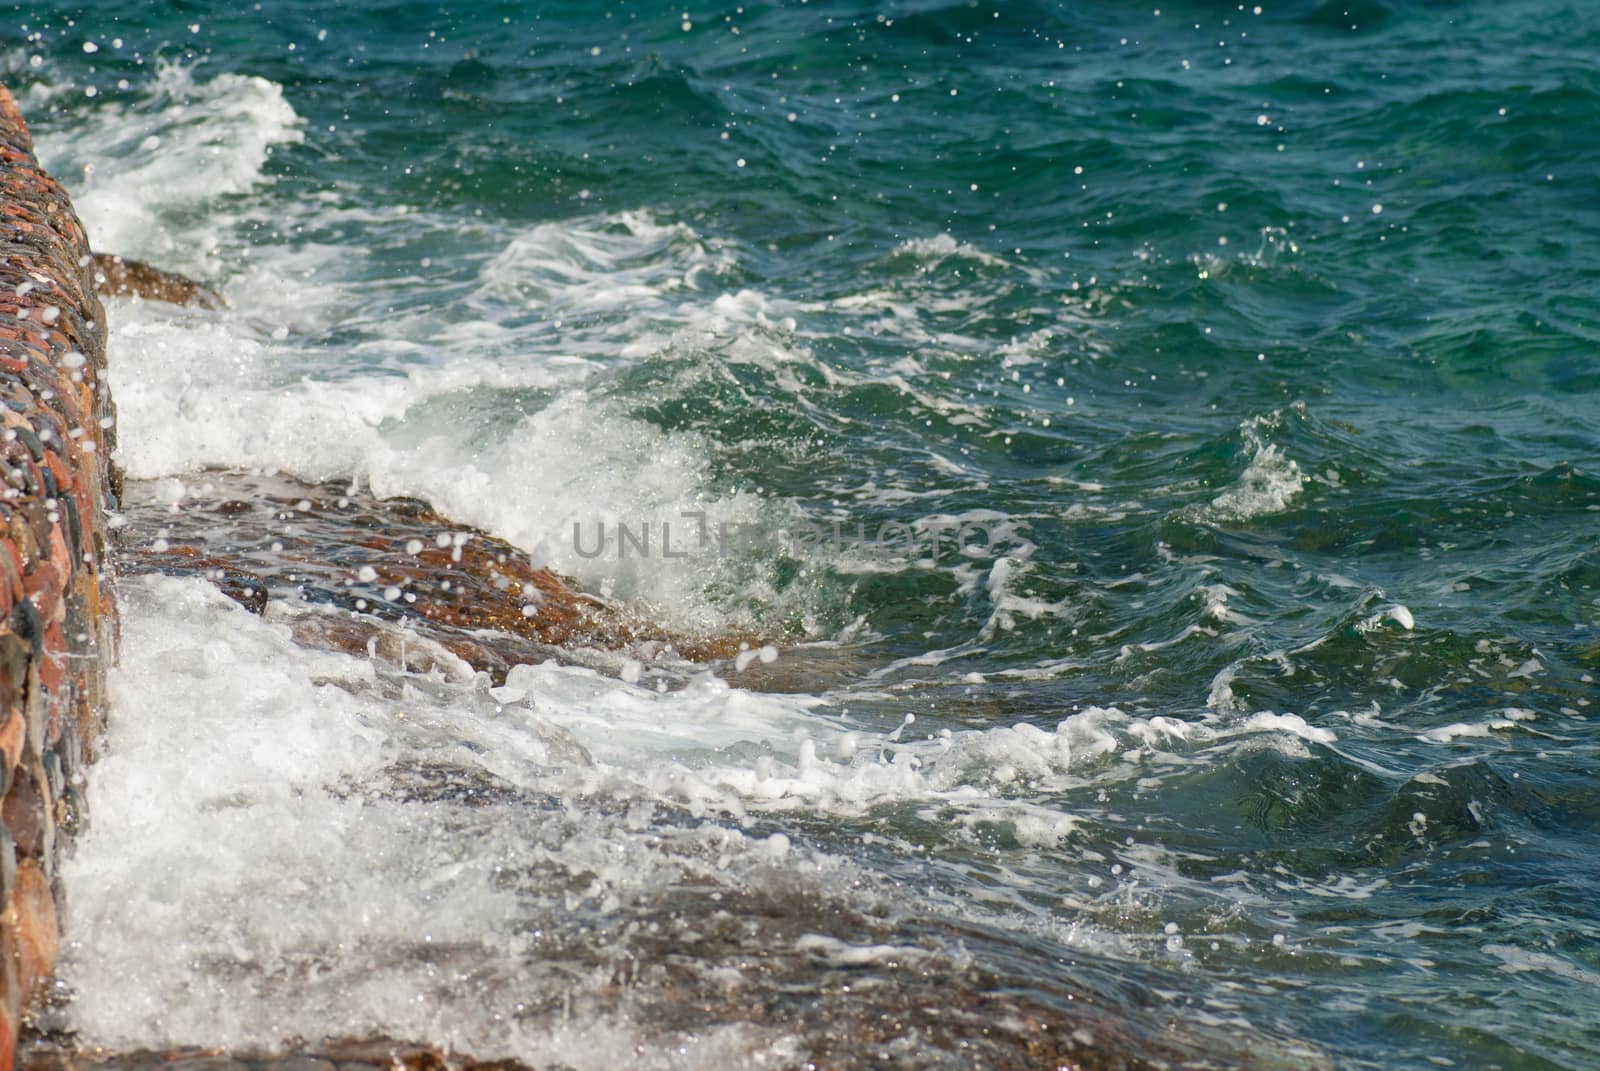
1185	420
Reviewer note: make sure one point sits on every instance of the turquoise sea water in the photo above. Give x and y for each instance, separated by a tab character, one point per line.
1258	348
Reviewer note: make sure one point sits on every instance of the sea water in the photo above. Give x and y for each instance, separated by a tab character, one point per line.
1160	441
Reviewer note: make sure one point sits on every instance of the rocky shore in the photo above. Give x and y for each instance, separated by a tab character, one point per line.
396	581
57	620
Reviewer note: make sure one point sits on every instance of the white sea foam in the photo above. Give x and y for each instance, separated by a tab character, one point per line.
198	392
273	894
602	265
1507	719
1267	484
428	401
142	174
1397	613
259	772
1515	960
941	247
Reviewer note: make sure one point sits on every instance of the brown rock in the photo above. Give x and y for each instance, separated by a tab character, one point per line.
477	597
28	815
8	1037
31	917
13	734
116	276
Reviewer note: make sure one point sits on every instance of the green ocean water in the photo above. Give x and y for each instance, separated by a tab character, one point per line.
1258	347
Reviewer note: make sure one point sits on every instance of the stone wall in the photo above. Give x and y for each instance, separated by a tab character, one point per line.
57	620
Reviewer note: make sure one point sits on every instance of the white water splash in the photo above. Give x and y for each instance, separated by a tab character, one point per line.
1268	482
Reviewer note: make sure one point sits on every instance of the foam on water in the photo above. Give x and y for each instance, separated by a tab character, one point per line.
1509	719
310	899
485	394
628	261
145	174
940	247
1269	481
199	392
266	775
481	407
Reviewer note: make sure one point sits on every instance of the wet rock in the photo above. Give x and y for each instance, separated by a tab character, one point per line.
57	622
57	1053
407	652
116	276
246	589
298	1063
205	1061
383	561
30	915
28	814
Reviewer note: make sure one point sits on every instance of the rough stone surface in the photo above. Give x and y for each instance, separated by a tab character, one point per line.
379	563
57	623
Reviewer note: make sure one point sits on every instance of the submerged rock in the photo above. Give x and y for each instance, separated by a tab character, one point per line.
116	276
